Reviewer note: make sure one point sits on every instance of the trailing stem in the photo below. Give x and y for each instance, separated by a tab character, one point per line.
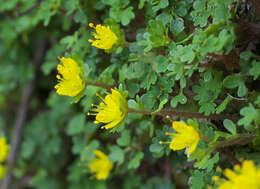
243	140
171	113
102	85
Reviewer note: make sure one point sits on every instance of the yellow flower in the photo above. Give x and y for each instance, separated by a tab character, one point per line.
69	78
2	171
111	111
187	137
4	148
105	38
101	165
245	177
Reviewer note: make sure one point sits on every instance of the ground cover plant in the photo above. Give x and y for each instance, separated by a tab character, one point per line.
150	94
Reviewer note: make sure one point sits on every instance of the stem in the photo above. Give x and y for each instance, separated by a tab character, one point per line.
185	40
100	85
237	141
129	110
185	114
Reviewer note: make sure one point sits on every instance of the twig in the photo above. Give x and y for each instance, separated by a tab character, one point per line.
22	113
99	85
187	114
237	141
243	99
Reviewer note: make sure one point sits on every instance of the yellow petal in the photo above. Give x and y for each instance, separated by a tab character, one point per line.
178	126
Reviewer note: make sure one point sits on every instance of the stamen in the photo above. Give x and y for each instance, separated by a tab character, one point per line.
93	114
167	133
95	110
164	142
100	97
169	118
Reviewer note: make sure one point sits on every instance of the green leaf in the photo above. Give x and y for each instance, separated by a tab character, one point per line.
127	15
180	98
211	162
76	125
156	148
207	131
200	14
87	153
206	162
28	147
234	81
176	69
182	53
250	115
135	162
162	4
135	70
133	104
196	181
80	17
164	17
242	90
162	63
70	6
207	108
148	100
163	101
255	69
223	105
257	102
125	138
156	35
117	154
121	14
230	126
133	88
177	26
221	12
141	4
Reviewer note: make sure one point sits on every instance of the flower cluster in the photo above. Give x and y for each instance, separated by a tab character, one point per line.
4	148
101	165
111	111
186	137
69	77
242	177
105	38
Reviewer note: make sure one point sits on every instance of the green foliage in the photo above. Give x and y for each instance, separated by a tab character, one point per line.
135	162
232	82
199	179
156	35
230	126
206	94
255	69
250	118
174	60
